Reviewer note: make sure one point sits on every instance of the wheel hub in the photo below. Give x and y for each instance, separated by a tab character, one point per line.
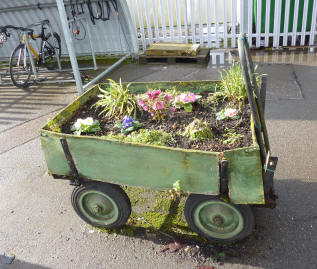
97	209
218	220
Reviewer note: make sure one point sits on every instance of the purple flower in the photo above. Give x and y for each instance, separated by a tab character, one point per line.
127	122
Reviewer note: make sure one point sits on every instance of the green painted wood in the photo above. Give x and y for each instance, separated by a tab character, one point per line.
147	166
245	176
134	164
54	154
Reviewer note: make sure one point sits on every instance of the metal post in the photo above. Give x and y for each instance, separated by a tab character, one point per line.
91	43
56	53
97	78
70	45
27	48
253	106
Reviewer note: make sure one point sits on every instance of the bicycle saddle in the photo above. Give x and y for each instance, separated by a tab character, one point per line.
41	22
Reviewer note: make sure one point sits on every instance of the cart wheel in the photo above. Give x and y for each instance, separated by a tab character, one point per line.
101	204
217	220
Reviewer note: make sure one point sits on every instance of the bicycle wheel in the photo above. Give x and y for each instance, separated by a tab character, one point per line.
50	47
20	66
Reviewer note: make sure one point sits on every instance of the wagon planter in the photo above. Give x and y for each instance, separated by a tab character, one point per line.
222	186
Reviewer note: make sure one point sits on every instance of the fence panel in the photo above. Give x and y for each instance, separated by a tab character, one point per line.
218	23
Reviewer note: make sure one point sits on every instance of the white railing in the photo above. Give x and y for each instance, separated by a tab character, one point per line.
217	23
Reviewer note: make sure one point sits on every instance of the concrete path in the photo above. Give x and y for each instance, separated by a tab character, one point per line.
40	227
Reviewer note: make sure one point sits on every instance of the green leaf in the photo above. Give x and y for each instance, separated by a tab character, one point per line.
119	124
222	255
188	107
220	115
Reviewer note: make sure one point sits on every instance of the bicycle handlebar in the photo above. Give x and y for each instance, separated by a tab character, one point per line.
3	29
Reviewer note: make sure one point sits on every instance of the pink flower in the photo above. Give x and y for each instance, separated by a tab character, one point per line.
152	95
173	109
149	94
158	105
141	102
230	112
168	98
143	105
190	98
155	94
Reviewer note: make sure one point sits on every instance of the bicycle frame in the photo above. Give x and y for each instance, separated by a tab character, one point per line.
30	46
26	40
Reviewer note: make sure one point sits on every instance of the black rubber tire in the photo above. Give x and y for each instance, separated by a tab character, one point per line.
194	200
115	192
47	46
23	82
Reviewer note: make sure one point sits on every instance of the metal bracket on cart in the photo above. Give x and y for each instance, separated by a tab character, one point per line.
76	179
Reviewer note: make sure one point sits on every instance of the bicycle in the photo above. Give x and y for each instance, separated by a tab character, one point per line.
21	64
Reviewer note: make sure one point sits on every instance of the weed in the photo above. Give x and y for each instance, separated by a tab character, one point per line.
198	130
53	126
232	86
145	136
230	137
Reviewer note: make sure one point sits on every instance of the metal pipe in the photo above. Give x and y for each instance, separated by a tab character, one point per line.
91	43
37	6
70	45
253	107
27	48
102	74
257	93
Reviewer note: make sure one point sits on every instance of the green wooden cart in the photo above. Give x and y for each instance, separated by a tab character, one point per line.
222	185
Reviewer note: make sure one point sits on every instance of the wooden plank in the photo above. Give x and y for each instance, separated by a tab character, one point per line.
173	49
202	58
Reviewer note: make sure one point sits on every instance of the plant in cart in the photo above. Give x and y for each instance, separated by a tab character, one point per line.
88	125
157	103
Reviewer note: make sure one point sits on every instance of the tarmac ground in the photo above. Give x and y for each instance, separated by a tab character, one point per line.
40	227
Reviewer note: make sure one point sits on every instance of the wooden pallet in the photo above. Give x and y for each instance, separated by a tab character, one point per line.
201	58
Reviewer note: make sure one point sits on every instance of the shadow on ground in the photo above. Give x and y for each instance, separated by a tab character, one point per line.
19	264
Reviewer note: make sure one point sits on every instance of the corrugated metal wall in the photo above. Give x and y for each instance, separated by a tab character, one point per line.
107	36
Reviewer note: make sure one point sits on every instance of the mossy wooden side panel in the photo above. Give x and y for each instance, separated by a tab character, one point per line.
147	166
54	154
192	86
245	176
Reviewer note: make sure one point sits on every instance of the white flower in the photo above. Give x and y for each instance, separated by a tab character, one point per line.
88	121
182	97
230	112
78	124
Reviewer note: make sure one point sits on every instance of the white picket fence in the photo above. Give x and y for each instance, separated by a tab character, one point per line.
217	23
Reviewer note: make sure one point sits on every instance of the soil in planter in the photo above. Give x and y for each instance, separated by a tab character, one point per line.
176	122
